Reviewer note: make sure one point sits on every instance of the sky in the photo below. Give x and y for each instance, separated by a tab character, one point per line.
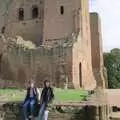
109	11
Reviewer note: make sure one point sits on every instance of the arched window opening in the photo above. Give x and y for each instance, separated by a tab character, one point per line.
80	74
62	10
3	30
21	14
35	12
0	61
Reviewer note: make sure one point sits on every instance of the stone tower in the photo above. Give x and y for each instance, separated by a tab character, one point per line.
97	51
64	25
43	21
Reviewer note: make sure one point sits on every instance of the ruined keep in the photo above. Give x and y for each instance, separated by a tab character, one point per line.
60	30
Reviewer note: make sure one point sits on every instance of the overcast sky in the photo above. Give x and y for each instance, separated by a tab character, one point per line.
109	11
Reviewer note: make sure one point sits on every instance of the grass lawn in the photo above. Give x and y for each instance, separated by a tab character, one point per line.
60	95
70	95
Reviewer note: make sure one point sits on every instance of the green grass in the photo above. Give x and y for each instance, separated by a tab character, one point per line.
70	95
11	95
60	95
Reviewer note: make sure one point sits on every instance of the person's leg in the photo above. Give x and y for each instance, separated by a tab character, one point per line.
32	107
41	112
45	117
25	109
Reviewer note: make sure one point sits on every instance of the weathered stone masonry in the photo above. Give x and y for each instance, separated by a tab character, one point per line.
97	51
61	31
11	111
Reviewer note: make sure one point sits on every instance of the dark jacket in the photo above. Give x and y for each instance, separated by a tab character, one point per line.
47	95
28	94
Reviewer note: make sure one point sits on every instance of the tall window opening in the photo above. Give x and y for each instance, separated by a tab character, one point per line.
3	30
21	14
80	74
62	10
35	12
0	61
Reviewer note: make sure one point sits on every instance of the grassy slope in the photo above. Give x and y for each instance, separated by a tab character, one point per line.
60	95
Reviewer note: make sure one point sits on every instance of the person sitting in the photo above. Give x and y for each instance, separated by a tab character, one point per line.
47	96
31	99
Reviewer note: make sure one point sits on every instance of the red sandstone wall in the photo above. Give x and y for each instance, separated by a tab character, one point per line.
82	52
97	53
57	25
85	31
95	41
29	28
19	66
87	80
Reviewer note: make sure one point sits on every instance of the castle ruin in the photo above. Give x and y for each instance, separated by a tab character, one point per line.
64	33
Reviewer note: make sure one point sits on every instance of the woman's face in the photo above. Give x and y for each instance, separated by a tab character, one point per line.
47	84
32	85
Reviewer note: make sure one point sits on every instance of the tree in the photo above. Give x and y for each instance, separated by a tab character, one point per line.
112	63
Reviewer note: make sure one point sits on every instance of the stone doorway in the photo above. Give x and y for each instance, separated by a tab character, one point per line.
80	74
0	61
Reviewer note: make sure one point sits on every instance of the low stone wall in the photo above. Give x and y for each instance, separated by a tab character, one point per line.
11	111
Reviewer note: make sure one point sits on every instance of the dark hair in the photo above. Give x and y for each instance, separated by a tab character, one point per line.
46	81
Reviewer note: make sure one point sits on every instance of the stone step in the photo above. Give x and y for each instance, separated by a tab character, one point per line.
115	116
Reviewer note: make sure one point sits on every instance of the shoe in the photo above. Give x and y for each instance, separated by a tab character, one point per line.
30	116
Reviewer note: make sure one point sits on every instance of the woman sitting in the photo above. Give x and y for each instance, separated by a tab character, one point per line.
46	97
31	100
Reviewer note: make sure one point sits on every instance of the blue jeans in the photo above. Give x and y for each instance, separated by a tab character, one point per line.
43	113
29	107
